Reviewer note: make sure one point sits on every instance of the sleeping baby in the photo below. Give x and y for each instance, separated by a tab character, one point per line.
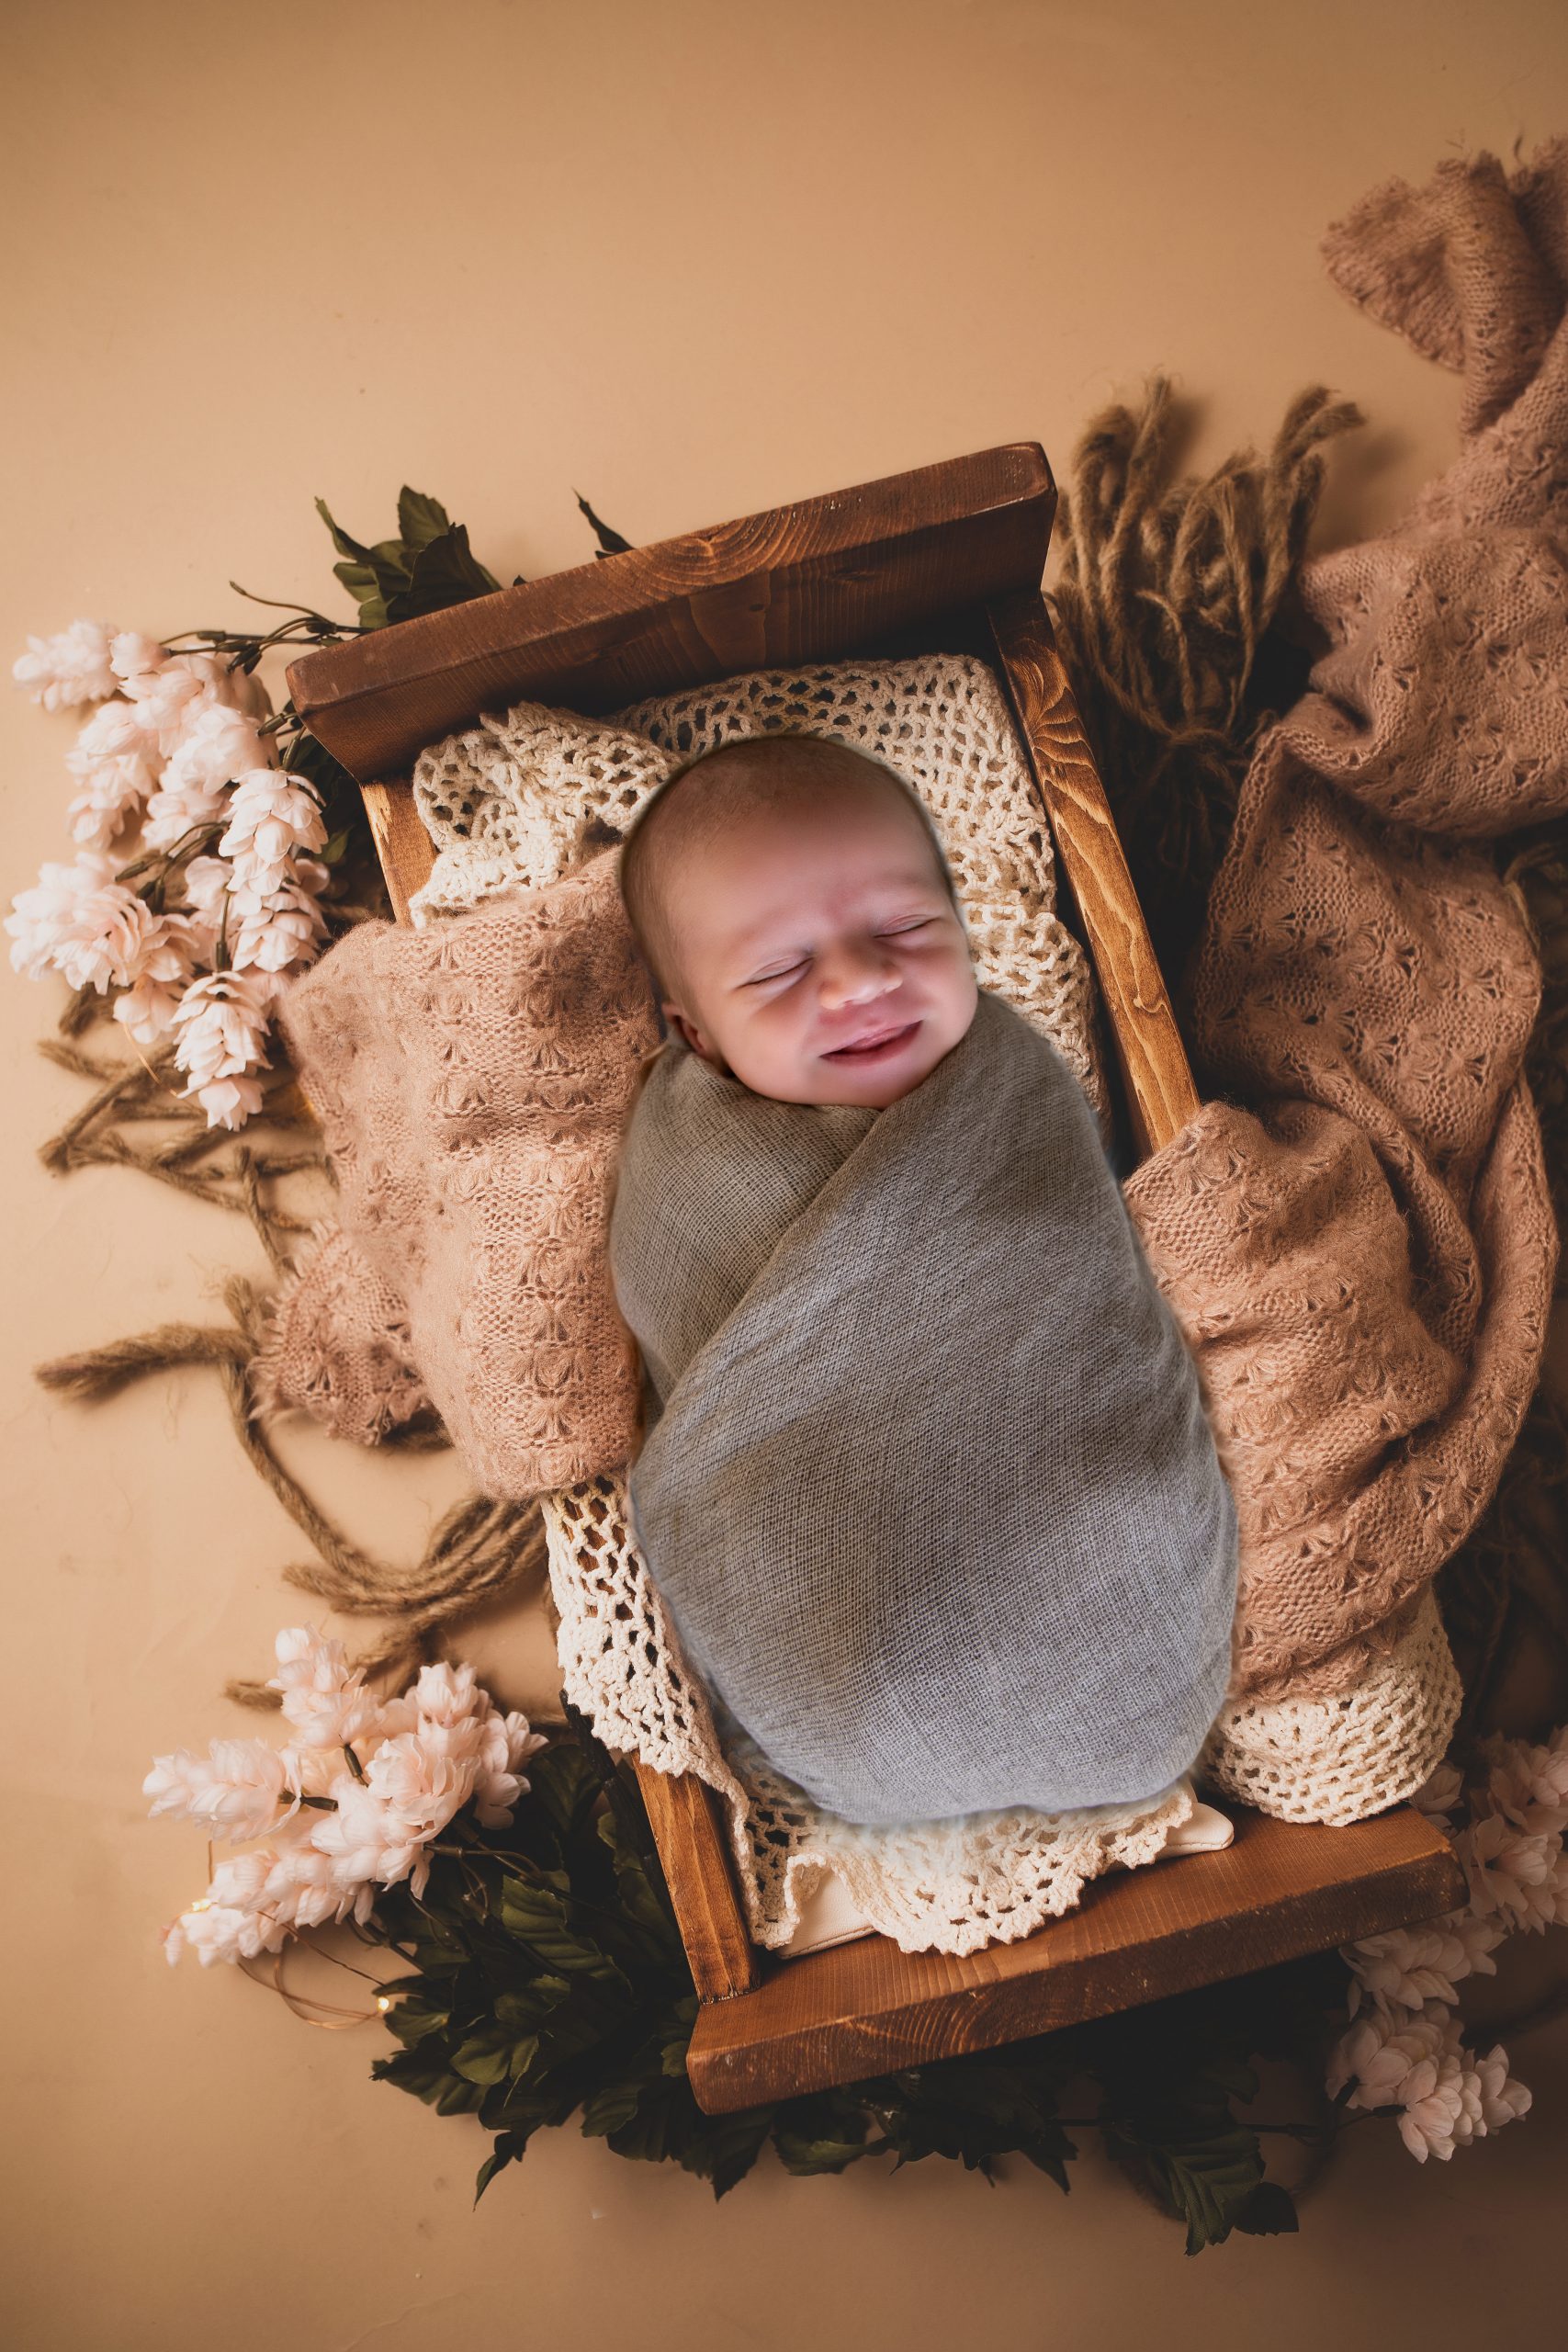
927	1481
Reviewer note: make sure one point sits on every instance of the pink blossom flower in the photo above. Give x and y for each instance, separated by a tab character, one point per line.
133	657
415	1782
170	692
1416	2063
71	668
458	1721
283	931
42	916
1440	1795
327	1704
78	920
213	744
221	1024
206	882
234	1921
441	1747
272	818
1503	2101
229	1102
147	1007
300	1890
1443	2107
383	1824
1410	1965
115	761
1529	1784
1511	1872
238	1789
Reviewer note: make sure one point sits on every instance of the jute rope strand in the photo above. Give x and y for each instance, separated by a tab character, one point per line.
1166	594
481	1551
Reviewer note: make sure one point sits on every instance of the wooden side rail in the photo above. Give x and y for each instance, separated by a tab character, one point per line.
683	1813
1156	1075
799	583
1281	1890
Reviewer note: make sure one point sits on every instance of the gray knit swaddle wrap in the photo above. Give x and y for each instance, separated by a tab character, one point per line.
930	1494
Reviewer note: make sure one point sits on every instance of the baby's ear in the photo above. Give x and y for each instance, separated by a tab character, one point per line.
687	1031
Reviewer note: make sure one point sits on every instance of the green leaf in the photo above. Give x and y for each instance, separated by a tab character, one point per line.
415	2017
522	2007
1205	2177
426	568
565	1786
426	2072
484	2058
340	541
799	2154
441	573
523	2055
608	2108
610	542
420	519
541	1919
1268	2212
726	2147
645	1903
508	2149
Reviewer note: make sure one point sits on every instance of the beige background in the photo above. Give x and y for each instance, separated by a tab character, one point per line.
690	259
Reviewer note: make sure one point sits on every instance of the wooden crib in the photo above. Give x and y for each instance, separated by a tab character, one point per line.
948	558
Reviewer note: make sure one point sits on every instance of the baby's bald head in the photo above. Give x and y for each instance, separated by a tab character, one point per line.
766	777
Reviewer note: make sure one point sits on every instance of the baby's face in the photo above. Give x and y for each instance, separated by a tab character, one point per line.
820	957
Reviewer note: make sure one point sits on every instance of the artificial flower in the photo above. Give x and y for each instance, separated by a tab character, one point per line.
239	1789
1410	1965
412	1764
79	921
284	931
324	1700
71	668
221	1022
115	762
272	817
229	1102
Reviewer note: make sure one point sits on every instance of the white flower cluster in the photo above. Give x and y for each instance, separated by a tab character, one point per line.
352	1802
174	751
1404	2048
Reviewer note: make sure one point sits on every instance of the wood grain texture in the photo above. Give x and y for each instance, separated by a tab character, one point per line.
1156	1075
797	583
683	1813
866	2009
405	850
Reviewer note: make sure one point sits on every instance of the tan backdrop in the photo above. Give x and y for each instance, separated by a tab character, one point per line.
690	259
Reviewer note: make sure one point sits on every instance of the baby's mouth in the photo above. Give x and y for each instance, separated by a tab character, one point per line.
876	1044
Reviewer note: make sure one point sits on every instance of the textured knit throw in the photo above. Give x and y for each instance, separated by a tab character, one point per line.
472	1084
930	1492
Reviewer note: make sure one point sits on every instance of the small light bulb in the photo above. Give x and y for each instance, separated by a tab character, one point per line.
383	2002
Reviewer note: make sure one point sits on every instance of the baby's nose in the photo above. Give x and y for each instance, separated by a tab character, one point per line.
857	978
